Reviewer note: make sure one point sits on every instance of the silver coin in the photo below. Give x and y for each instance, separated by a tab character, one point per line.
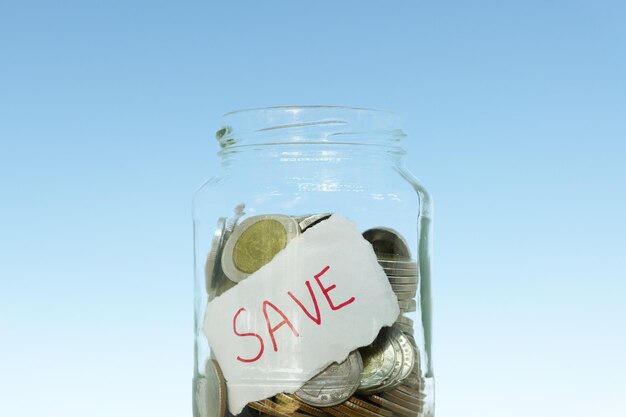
399	360
402	280
404	324
408	266
232	222
405	358
378	364
408	357
396	272
254	243
403	328
215	390
334	384
407	305
404	287
211	267
405	295
409	335
411	265
305	222
387	241
405	320
386	258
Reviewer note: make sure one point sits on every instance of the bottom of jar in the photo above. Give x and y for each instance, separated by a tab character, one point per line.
409	400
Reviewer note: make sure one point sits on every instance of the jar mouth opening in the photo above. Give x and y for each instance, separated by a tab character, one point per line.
310	107
309	124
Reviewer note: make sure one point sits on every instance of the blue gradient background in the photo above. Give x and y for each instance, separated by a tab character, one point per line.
516	115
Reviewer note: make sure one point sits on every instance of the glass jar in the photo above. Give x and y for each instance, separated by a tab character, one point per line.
312	269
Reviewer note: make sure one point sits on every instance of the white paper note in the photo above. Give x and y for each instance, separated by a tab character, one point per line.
320	298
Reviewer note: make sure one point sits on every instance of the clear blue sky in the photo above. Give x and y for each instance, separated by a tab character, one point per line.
516	115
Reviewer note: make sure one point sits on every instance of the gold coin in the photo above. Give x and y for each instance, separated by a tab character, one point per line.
254	243
410	403
268	407
390	405
415	393
378	364
286	404
364	412
258	245
314	411
371	407
353	412
338	413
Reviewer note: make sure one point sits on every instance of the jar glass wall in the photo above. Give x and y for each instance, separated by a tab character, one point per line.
289	177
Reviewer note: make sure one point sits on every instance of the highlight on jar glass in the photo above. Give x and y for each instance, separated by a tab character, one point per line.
312	269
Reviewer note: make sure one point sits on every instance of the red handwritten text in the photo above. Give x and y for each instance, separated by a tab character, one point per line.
273	328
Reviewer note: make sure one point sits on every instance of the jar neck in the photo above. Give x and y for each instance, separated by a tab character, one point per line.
325	126
311	156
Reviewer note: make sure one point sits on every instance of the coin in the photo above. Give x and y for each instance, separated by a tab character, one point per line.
302	406
333	385
255	242
311	220
387	241
415	404
224	286
408	357
338	413
351	410
398	359
400	272
407	389
232	221
404	328
364	404
286	404
402	280
408	305
215	393
409	335
268	407
390	405
405	295
378	364
402	396
412	381
405	264
387	257
404	287
405	320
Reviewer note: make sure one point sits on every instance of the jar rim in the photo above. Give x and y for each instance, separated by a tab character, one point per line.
309	124
309	107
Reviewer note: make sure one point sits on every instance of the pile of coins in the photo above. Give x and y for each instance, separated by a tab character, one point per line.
379	380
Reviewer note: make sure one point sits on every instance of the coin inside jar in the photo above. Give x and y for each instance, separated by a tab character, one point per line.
215	390
305	222
408	357
387	241
333	385
408	305
255	242
378	364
